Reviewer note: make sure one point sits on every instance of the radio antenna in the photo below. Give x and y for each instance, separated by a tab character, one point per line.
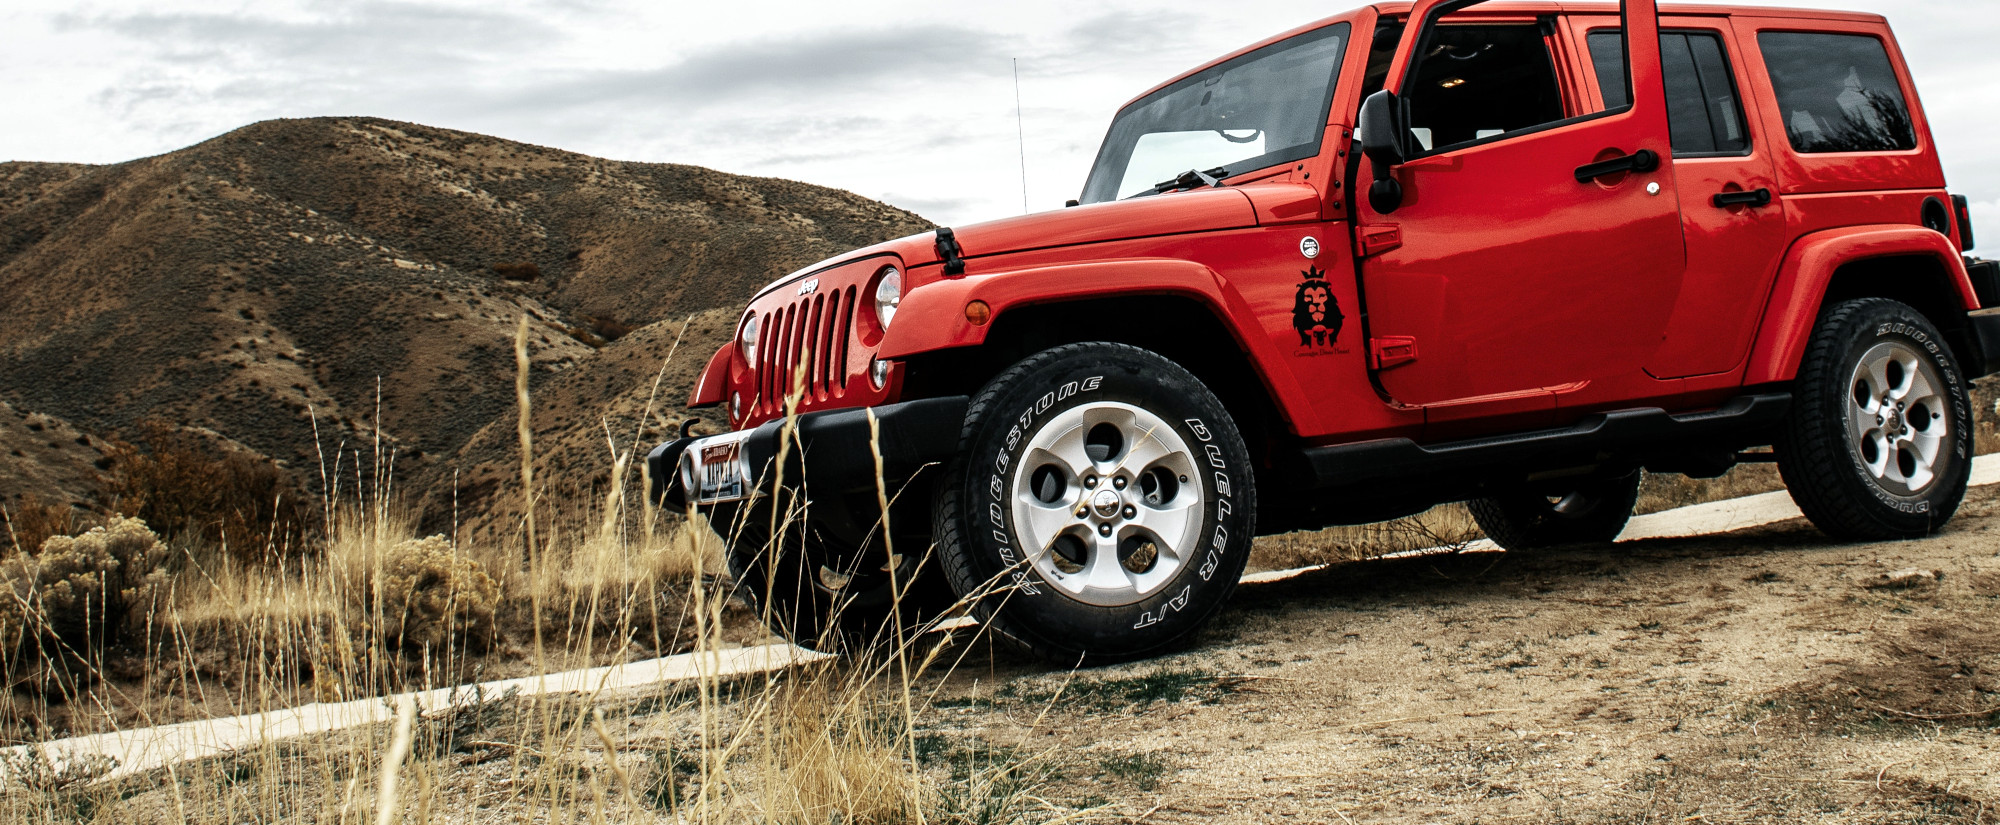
1021	131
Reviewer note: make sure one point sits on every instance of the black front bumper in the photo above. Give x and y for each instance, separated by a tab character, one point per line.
832	448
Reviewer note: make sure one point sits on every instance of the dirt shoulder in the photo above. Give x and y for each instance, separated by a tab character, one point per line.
1745	677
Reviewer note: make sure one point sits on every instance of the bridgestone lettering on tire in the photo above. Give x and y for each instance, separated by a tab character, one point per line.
1879	441
1102	503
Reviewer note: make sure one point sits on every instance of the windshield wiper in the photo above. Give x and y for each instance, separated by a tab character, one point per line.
1189	179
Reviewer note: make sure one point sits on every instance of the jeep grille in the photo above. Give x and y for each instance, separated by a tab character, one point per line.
812	331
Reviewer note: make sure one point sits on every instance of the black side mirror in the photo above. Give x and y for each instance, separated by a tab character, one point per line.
1381	127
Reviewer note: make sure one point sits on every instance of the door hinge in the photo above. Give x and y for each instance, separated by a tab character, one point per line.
1379	238
1391	351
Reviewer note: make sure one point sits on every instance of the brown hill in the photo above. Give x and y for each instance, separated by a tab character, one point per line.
628	396
42	460
332	270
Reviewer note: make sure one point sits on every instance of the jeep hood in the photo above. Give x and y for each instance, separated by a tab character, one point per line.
1173	213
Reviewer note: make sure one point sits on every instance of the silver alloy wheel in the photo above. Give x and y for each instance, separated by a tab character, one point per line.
1107	503
1896	422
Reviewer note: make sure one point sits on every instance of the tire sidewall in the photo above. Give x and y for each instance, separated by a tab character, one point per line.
1025	603
1889	321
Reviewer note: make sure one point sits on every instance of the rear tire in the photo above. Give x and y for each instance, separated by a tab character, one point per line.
1593	512
1878	444
1101	506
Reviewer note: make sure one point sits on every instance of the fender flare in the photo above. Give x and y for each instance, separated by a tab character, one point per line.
941	305
1807	270
708	388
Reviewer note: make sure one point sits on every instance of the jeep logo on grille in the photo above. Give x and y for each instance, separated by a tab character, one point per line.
808	287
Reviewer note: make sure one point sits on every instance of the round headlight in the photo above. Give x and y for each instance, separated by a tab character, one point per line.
888	293
747	339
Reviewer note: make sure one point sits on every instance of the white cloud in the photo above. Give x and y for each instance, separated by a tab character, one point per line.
897	99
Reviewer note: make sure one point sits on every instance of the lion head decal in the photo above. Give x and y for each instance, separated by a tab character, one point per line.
1315	312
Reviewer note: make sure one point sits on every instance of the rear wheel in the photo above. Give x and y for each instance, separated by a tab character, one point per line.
1101	507
1879	441
1592	512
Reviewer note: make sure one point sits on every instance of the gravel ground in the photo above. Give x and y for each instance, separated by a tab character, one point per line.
1746	677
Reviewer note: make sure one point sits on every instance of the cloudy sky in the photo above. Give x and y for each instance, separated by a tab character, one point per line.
909	102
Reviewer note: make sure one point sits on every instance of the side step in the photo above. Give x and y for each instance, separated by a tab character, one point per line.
1391	459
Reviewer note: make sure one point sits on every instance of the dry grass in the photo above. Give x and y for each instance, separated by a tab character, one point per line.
370	607
842	742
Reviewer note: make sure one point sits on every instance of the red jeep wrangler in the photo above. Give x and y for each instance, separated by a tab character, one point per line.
1509	254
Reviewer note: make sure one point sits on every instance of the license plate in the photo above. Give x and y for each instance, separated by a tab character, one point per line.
715	470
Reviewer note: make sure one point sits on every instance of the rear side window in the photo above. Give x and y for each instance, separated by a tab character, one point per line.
1703	112
1837	92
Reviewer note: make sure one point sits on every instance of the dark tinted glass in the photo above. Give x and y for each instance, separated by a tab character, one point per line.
1479	82
1836	92
1703	115
1718	94
1607	52
1687	115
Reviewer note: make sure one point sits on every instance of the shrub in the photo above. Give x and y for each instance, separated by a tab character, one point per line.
519	271
84	593
184	487
607	327
31	522
430	593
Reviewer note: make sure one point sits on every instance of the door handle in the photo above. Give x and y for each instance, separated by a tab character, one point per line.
1643	160
1752	198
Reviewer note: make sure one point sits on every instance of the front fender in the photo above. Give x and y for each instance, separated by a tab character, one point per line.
708	389
1808	268
935	312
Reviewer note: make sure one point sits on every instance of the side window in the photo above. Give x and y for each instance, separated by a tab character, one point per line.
1837	92
1704	116
1477	82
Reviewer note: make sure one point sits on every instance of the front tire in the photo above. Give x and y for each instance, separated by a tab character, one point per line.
1878	445
1101	507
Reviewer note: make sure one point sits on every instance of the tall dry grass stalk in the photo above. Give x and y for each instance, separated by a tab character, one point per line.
527	433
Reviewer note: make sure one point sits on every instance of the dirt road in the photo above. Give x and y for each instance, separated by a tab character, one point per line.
1744	677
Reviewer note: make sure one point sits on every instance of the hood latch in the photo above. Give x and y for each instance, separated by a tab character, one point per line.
948	249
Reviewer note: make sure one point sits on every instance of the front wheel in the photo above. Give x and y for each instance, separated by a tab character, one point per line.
1879	441
1101	507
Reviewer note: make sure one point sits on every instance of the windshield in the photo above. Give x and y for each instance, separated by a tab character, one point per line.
1264	108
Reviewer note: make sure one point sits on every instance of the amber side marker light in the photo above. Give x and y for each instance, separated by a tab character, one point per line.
978	313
